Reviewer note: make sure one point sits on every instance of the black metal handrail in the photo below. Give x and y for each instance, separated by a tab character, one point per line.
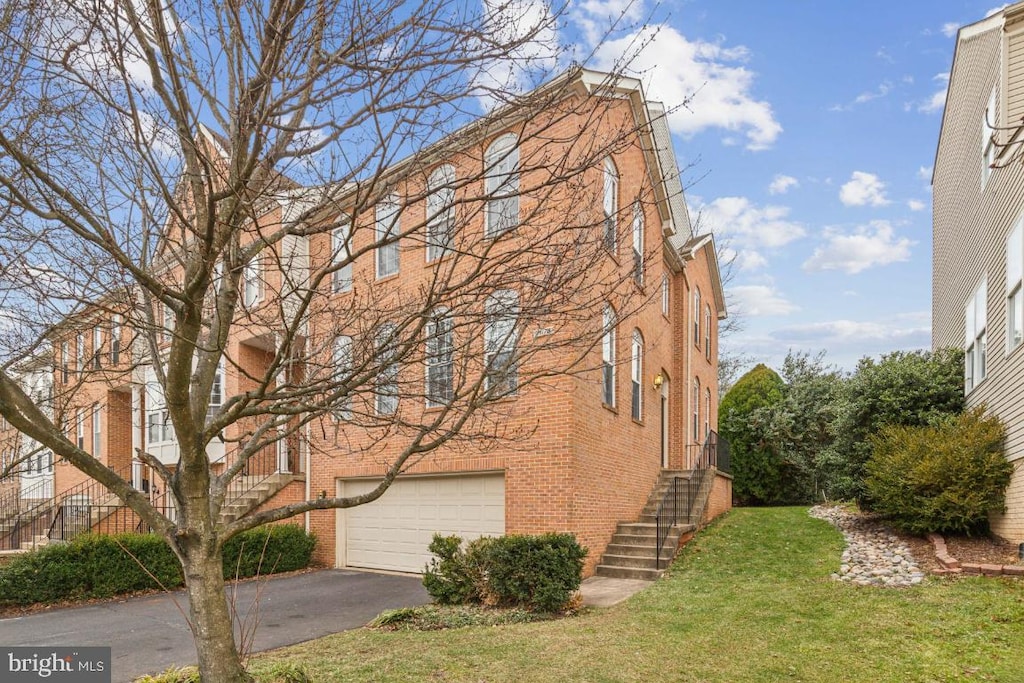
667	516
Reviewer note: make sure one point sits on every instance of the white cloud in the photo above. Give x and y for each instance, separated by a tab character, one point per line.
760	300
703	84
916	205
937	101
905	331
743	260
863	189
924	173
1000	8
750	225
781	184
531	28
868	246
950	28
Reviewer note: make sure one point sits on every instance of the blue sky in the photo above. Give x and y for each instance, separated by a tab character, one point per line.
810	139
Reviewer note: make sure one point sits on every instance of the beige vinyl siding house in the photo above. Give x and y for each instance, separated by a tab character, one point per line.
978	226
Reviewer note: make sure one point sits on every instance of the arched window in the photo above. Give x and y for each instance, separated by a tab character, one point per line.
440	212
638	243
501	168
610	204
608	356
341	367
387	215
439	358
501	314
637	374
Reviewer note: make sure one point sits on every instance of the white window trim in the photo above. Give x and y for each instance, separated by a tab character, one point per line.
386	398
976	337
696	410
707	332
696	317
501	185
610	205
608	388
1015	286
501	337
636	376
341	366
115	339
252	285
341	278
387	226
97	432
439	358
97	347
638	243
440	207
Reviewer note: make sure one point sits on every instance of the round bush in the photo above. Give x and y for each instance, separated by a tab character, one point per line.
944	478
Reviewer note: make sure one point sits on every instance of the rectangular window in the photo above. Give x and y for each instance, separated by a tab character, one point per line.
80	353
80	429
664	295
440	360
501	314
638	244
168	323
636	374
1014	292
976	338
65	363
341	277
707	333
440	212
501	184
97	347
696	317
216	394
115	340
97	435
608	358
610	205
341	360
387	373
387	231
253	283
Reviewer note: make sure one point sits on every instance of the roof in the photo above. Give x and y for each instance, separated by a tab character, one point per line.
689	251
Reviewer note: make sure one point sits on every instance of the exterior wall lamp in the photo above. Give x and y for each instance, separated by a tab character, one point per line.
659	379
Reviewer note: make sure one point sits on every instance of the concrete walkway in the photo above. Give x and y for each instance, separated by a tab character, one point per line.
601	591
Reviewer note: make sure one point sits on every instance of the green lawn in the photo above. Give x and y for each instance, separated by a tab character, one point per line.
749	599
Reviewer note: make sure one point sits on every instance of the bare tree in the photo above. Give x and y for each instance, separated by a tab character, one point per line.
181	176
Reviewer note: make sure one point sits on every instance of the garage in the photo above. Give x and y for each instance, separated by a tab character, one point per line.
393	531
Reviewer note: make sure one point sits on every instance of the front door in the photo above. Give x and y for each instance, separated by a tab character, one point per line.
664	423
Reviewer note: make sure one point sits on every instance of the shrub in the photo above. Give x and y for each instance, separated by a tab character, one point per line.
944	478
457	576
757	476
101	566
268	550
535	572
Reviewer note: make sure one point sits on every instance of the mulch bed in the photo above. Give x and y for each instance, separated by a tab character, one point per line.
967	549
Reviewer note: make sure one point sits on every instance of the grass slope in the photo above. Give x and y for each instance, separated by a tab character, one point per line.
749	600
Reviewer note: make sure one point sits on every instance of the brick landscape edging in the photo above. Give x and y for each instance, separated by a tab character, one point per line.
950	565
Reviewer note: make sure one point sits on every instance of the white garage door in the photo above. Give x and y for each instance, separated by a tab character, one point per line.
393	532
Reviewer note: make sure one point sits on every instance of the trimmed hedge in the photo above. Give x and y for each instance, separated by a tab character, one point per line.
946	478
540	573
97	566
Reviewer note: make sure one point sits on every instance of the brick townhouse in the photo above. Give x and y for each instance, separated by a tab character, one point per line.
590	445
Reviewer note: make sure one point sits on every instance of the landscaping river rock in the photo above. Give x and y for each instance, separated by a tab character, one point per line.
874	556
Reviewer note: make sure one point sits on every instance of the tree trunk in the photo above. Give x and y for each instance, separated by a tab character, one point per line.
218	657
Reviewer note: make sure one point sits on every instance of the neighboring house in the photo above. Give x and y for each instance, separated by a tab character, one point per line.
596	441
978	245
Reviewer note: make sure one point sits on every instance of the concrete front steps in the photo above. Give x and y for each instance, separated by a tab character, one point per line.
632	552
260	493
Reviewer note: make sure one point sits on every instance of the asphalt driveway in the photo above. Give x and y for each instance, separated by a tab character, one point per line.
149	634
